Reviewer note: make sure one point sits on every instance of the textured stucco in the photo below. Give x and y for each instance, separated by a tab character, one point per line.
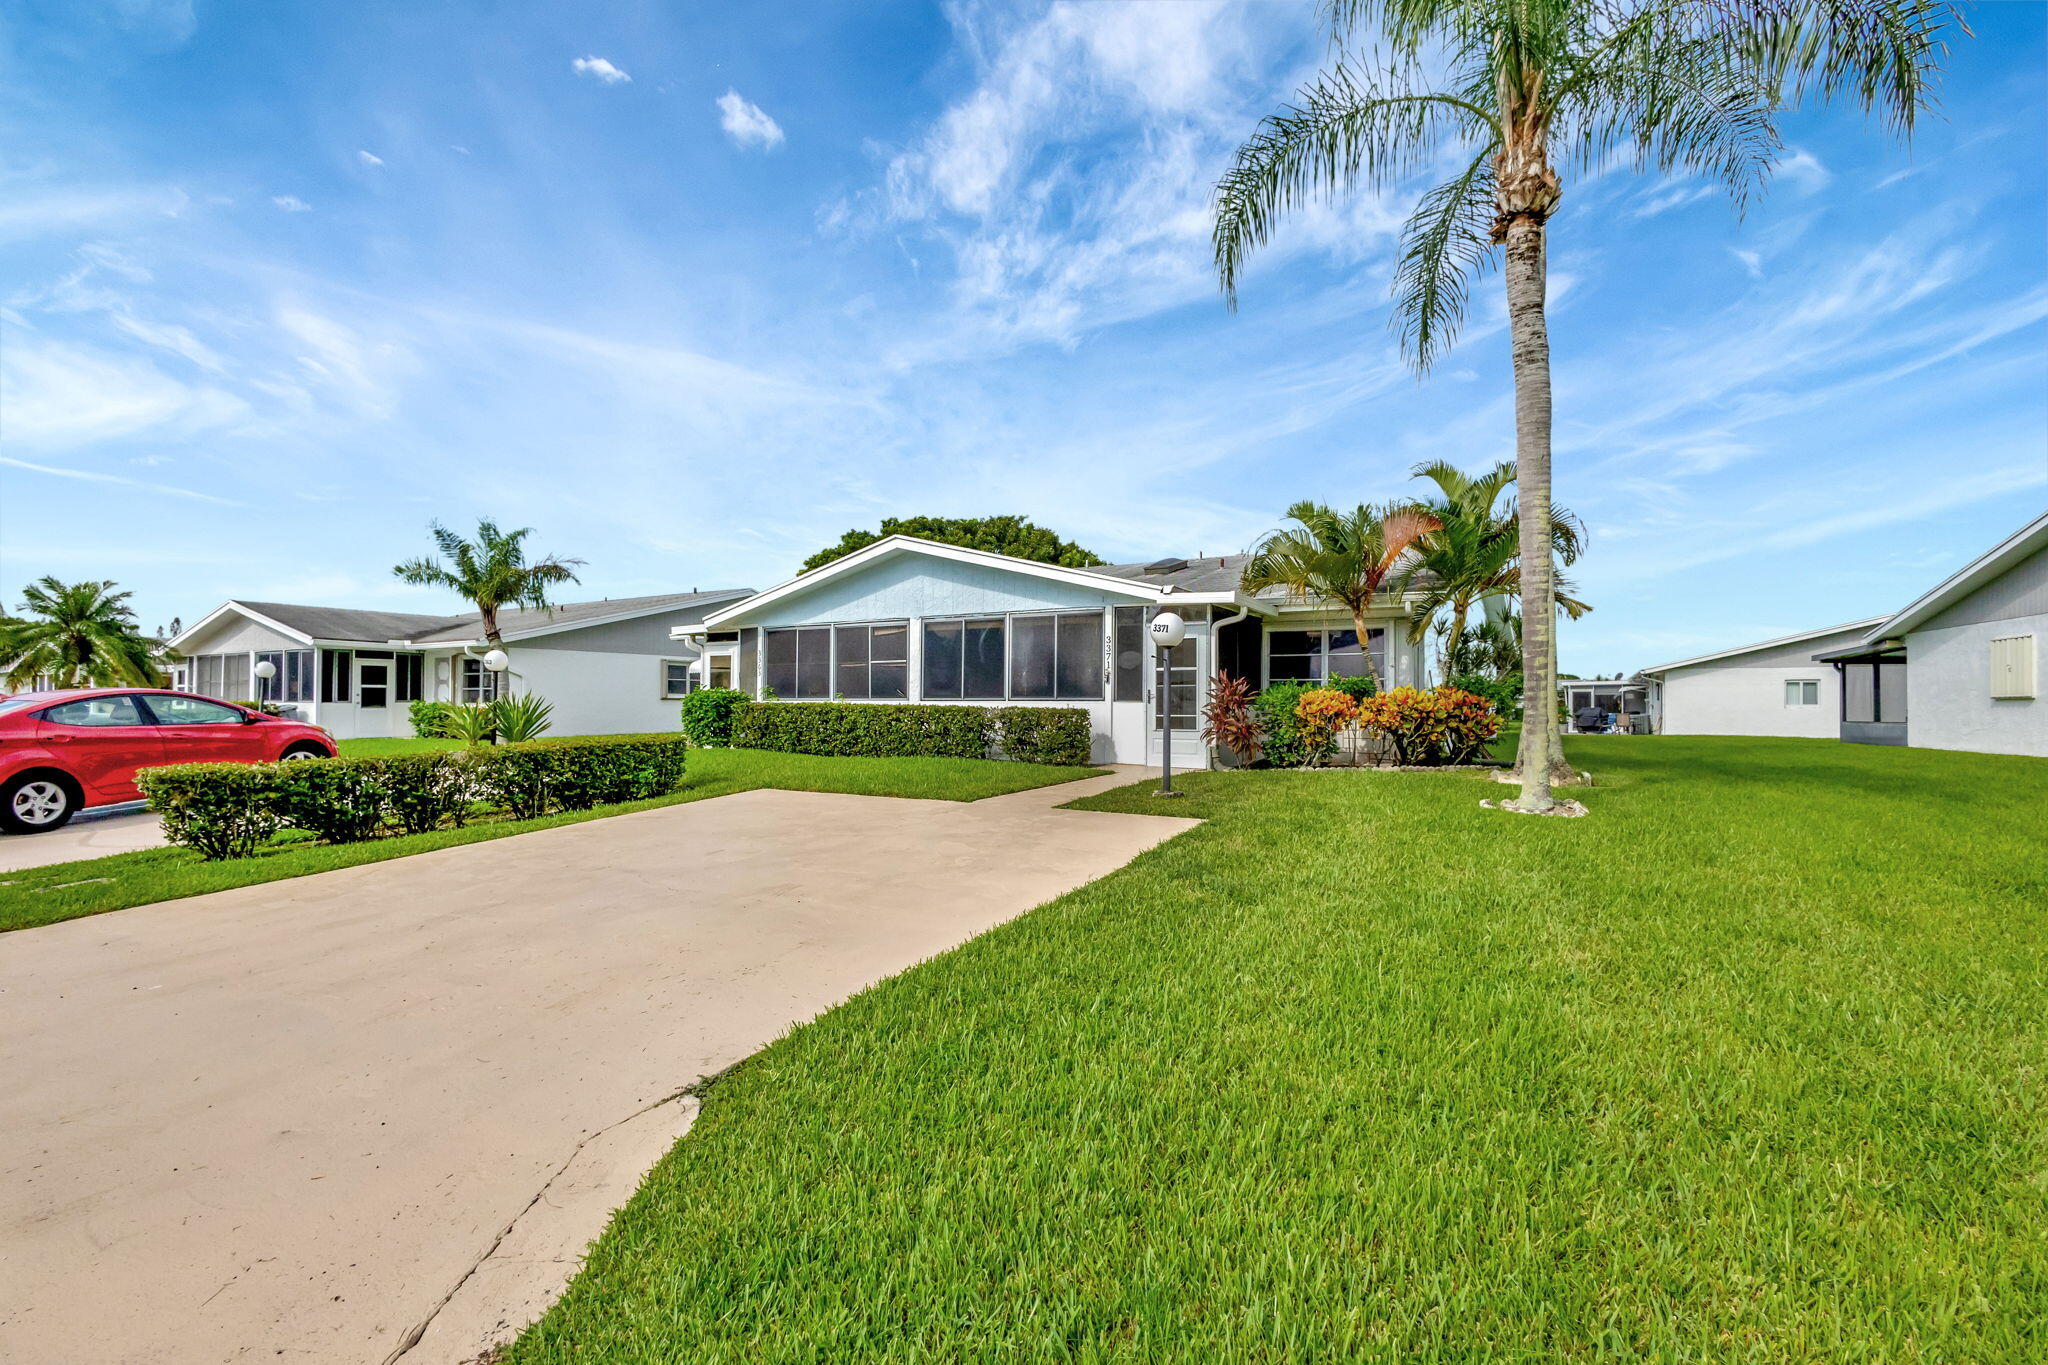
920	585
1948	690
1722	699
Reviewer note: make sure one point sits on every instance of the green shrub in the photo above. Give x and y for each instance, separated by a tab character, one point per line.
708	714
1505	693
339	800
1060	735
1280	739
265	708
423	792
219	810
1358	689
846	729
539	776
470	724
522	718
428	719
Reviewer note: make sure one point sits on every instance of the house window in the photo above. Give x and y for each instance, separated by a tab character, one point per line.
721	670
1316	656
478	683
293	680
1056	657
409	677
675	678
1130	654
964	659
873	664
1874	693
798	663
335	666
1802	692
222	676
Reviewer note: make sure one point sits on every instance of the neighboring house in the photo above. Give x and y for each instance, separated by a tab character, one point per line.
913	620
608	667
1963	661
1773	688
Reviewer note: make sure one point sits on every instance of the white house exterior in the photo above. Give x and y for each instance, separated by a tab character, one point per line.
912	620
1971	652
608	667
1774	688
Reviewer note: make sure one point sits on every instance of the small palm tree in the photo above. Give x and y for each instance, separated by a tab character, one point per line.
1529	86
491	571
1349	558
77	635
1474	555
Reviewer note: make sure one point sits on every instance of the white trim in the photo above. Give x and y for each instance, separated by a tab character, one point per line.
1656	669
890	545
1966	580
231	605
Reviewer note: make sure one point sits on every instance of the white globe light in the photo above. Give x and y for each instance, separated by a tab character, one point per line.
266	670
1168	630
496	660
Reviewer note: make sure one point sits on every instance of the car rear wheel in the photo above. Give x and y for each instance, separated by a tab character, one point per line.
36	802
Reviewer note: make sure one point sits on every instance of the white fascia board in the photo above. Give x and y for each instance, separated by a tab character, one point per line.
890	545
236	607
560	626
1966	580
1655	669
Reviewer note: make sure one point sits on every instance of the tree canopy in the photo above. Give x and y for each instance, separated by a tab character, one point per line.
1001	535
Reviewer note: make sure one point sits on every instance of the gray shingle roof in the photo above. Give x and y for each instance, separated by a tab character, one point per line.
347	623
1215	573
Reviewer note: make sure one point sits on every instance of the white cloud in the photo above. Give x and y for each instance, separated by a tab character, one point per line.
1672	197
1752	261
291	203
599	69
746	123
1804	170
95	476
61	395
27	214
370	158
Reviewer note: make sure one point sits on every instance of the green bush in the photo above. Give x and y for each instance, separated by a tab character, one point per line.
1358	689
865	729
1504	693
1043	734
423	792
1281	742
265	708
708	714
476	724
219	810
339	800
428	719
536	777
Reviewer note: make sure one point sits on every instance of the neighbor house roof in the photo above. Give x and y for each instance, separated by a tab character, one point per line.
311	623
1655	669
1972	576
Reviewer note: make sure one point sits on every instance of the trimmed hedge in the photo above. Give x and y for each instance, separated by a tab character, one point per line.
227	810
1060	735
708	715
862	729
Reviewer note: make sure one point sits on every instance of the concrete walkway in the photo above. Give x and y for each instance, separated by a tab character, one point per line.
292	1122
91	834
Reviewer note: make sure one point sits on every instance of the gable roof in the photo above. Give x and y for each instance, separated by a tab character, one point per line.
1655	669
1211	573
1966	580
310	623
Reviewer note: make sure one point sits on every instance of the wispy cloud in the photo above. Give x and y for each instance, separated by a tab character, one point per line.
1752	261
291	203
100	477
746	124
598	69
369	158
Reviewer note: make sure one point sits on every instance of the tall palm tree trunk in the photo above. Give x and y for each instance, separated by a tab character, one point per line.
1540	749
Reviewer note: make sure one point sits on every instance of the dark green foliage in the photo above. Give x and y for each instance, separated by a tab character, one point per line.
1281	742
219	810
844	729
338	800
1504	692
1000	535
707	715
424	791
1358	689
428	718
531	779
266	708
1059	735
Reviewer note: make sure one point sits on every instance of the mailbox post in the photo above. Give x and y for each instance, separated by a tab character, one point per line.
1167	630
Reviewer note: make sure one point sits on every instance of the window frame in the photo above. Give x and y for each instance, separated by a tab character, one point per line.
668	692
1319	658
1809	692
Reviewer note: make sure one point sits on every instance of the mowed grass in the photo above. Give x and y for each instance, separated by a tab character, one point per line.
61	891
1750	1065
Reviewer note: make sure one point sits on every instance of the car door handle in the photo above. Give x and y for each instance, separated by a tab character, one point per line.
59	739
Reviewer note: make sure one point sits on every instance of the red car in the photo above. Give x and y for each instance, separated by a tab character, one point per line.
63	751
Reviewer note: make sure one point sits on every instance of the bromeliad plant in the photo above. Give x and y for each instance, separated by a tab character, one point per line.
472	724
522	718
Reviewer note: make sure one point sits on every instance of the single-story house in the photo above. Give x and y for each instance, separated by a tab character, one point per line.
1959	668
615	666
913	620
1772	688
1598	705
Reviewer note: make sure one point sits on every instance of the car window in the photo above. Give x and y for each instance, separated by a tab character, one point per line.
193	711
96	711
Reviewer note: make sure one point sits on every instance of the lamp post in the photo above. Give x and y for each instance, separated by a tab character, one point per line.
1167	630
265	671
497	661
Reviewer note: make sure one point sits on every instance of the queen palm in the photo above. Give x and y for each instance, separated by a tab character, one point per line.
1349	558
76	635
1522	89
490	571
1474	555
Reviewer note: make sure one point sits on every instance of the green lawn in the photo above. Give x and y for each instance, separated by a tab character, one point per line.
45	895
1751	1065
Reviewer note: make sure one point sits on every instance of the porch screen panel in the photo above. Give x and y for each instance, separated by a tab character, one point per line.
1080	657
814	663
407	677
888	662
1130	654
1859	693
1891	693
852	644
942	642
1294	655
749	680
1031	657
981	669
779	670
334	674
236	679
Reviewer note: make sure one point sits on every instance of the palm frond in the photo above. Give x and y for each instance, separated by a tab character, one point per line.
1445	245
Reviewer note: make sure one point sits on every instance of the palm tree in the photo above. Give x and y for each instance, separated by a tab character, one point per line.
1691	86
491	571
77	635
1474	555
1345	557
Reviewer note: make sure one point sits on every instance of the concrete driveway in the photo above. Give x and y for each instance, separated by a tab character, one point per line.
91	834
322	1119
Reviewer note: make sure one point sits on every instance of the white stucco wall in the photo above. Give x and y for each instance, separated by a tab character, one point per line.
1733	699
596	692
1948	690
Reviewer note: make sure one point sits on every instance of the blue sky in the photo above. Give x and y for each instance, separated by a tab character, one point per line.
694	288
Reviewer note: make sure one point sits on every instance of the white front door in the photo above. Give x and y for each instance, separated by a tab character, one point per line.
373	698
1180	705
